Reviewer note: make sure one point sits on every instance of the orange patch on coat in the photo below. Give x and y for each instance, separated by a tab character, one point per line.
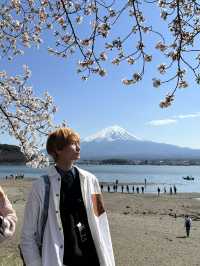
98	204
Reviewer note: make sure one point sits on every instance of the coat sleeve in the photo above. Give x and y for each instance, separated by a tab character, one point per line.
8	217
103	226
31	226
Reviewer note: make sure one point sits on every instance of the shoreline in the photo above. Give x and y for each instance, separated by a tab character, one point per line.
111	183
103	163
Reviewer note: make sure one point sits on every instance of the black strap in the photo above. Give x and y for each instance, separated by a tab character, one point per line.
21	255
45	206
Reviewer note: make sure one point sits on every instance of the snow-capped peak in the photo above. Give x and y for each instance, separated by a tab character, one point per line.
111	134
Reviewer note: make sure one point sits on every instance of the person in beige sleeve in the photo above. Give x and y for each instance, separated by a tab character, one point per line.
8	217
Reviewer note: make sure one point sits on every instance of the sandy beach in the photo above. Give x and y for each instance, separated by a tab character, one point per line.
146	229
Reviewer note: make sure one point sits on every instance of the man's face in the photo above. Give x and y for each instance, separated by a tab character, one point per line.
71	152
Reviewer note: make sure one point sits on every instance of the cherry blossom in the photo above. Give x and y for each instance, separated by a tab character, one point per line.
24	116
89	29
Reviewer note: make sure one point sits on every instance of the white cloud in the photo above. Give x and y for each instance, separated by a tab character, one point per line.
162	122
172	120
187	116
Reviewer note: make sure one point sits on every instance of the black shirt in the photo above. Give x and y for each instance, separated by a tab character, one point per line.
79	246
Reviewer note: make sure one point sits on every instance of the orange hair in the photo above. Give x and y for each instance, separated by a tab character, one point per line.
59	138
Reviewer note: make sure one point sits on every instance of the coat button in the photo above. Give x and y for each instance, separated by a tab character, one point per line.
59	179
57	195
57	211
60	228
61	246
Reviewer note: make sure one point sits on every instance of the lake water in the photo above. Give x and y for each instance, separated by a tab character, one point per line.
162	176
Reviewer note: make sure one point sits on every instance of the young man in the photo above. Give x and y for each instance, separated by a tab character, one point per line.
77	231
8	217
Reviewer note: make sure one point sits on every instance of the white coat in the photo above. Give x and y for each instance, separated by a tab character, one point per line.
53	241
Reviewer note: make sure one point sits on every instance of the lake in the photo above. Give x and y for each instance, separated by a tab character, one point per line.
162	176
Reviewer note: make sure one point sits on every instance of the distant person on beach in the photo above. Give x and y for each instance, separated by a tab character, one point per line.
165	191
142	189
170	191
175	190
116	184
101	187
122	187
145	182
8	217
113	187
76	231
133	189
108	188
138	190
158	189
188	224
127	188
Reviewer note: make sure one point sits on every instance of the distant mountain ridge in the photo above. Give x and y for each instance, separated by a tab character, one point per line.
117	143
11	154
114	143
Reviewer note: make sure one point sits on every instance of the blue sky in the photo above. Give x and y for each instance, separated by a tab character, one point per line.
101	102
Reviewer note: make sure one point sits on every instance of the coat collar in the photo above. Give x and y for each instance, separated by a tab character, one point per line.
52	172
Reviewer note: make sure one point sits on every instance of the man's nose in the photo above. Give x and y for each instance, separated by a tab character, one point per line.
78	147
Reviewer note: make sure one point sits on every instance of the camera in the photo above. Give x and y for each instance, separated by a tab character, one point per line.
82	232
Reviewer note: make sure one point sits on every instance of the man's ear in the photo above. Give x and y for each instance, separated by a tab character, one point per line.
54	155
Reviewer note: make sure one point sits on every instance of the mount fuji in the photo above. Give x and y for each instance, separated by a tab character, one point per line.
117	143
113	133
